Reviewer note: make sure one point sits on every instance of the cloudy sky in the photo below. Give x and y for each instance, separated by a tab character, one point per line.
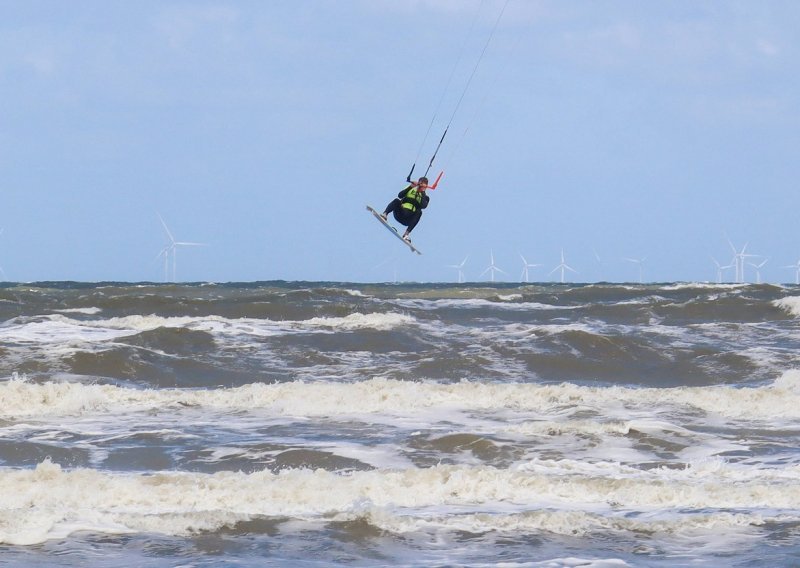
611	130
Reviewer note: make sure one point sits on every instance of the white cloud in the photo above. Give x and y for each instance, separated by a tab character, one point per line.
32	49
42	61
768	48
181	25
611	45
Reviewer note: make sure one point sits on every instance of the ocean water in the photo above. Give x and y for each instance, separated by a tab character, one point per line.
322	424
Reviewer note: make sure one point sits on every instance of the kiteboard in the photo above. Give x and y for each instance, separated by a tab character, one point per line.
392	229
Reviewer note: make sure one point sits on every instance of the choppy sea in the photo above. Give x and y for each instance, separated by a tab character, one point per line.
323	424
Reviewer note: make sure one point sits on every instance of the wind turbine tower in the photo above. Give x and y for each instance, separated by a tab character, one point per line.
758	268
525	266
640	262
720	269
460	268
601	264
739	260
562	267
796	268
493	267
171	250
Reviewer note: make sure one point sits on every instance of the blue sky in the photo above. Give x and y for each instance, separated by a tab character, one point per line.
607	129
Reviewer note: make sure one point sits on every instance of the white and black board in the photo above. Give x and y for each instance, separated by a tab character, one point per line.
392	230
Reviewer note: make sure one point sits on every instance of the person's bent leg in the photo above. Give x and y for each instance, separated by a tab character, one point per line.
391	208
412	222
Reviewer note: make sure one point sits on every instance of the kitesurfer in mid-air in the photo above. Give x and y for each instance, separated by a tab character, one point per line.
408	206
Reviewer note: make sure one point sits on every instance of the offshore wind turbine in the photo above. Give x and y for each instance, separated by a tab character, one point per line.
563	266
739	260
758	268
640	262
525	266
460	268
796	268
720	269
600	263
171	249
493	267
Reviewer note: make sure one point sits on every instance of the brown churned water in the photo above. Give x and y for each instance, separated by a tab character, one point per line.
317	424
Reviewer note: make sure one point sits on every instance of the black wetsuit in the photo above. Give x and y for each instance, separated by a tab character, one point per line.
408	215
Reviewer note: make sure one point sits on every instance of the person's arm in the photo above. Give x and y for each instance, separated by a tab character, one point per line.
403	193
425	200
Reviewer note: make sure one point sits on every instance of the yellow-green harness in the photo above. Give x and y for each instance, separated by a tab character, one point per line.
412	200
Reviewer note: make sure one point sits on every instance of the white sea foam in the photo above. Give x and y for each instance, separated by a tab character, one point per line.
509	297
61	330
777	401
383	456
356	293
56	330
570	523
87	311
380	322
48	502
702	285
506	303
788	382
557	428
566	562
790	304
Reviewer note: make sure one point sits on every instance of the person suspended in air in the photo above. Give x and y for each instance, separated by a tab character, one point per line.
408	206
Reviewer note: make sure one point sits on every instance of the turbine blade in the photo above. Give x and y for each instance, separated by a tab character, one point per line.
163	224
732	247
